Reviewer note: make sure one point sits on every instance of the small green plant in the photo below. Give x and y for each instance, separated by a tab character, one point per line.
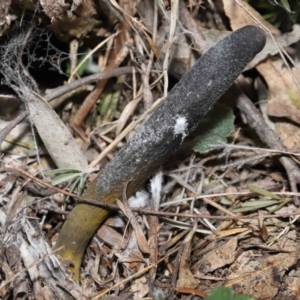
76	179
224	293
280	13
213	129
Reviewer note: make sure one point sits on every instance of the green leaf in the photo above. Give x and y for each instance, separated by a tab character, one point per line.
65	178
269	16
221	293
286	5
213	129
108	105
255	205
64	175
84	65
224	293
62	171
261	191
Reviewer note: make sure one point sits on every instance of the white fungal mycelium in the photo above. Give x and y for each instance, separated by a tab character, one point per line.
181	126
156	188
140	199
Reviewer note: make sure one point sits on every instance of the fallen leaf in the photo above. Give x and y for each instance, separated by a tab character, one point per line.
186	278
260	277
244	14
185	290
217	258
284	40
140	237
283	100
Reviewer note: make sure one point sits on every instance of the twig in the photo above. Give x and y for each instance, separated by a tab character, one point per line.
164	213
147	95
91	99
267	135
74	71
171	41
193	29
8	128
54	93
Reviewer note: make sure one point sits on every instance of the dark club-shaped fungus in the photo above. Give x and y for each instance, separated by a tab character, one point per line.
178	115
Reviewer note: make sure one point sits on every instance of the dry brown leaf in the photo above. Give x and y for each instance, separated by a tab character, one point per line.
287	242
289	134
239	17
277	176
70	21
56	136
141	239
270	49
293	288
185	277
19	140
165	246
110	236
283	100
259	277
185	290
131	257
224	233
283	93
217	258
262	227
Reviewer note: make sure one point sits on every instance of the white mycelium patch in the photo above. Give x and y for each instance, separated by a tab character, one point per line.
181	126
156	188
140	199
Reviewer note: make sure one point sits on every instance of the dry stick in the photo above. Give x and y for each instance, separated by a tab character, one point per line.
193	29
147	95
162	133
267	135
59	91
93	97
231	216
75	69
11	125
173	20
73	51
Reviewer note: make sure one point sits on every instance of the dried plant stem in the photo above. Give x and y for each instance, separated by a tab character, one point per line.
93	97
267	135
